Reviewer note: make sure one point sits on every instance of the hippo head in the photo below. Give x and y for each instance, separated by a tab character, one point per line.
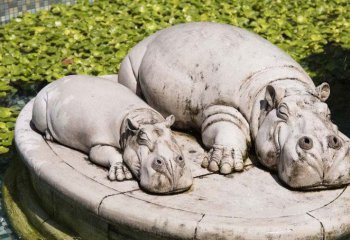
297	138
155	158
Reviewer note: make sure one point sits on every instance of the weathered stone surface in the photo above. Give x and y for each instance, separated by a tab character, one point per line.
157	220
252	194
248	205
80	163
282	228
335	216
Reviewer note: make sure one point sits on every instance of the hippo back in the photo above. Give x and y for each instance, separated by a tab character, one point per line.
196	65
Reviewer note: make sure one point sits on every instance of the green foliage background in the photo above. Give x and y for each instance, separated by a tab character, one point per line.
93	39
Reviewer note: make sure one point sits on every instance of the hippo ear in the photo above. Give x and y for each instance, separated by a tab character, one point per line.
323	91
169	121
273	96
132	125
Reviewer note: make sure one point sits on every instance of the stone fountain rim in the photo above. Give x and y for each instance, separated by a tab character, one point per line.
45	165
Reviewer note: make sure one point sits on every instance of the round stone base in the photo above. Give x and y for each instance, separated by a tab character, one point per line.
248	205
23	208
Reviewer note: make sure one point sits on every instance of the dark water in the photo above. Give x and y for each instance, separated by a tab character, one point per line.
6	231
339	103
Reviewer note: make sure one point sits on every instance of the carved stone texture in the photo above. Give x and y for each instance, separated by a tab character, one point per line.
237	88
117	129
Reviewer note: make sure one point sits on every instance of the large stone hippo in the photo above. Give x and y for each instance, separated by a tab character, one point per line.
236	88
104	119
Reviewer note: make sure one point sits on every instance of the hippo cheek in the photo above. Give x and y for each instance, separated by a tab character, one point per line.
267	152
339	173
184	181
158	179
156	183
300	175
162	183
298	169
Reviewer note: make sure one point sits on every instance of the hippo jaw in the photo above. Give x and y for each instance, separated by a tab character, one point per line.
297	139
309	169
155	158
159	174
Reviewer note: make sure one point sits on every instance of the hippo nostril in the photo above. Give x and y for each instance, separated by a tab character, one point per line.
305	143
334	142
159	161
159	165
180	160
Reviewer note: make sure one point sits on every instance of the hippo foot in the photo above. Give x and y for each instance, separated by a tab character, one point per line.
119	172
224	159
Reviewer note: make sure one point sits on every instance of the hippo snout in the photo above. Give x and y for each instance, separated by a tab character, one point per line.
314	163
334	142
164	175
338	173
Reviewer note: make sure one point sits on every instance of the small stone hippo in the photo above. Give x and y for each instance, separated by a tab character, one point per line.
104	119
237	88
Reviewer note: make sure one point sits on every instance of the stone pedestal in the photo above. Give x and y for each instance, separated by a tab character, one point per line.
250	205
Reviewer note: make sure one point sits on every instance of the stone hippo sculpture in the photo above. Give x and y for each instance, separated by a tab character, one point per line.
237	88
104	119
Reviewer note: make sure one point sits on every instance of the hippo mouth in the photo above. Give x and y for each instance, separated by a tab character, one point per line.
331	178
321	186
173	192
276	139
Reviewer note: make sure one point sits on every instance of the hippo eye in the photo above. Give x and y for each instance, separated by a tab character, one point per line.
283	111
159	132
143	139
305	143
143	136
334	142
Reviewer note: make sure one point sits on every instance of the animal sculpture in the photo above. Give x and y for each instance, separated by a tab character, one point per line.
115	128
237	89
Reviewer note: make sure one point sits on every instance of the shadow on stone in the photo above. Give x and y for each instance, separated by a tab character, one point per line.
333	66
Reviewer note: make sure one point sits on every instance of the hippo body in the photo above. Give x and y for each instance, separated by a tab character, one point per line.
94	123
192	57
228	84
106	120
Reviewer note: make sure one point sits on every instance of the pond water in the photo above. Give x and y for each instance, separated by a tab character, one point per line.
6	231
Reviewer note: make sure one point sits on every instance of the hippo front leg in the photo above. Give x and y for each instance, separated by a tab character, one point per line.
226	132
109	156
